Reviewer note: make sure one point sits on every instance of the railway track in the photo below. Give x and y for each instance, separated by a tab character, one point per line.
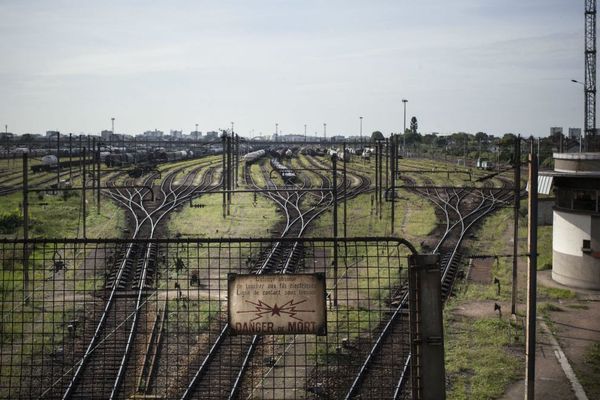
101	371
222	372
381	374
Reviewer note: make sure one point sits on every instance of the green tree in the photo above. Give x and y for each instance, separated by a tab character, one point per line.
377	136
414	125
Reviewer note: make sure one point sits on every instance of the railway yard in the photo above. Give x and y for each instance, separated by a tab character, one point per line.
118	285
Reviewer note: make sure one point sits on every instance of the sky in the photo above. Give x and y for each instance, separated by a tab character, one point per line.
463	65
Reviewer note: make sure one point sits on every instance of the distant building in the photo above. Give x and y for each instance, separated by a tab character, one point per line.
176	134
195	135
556	130
106	135
6	135
212	135
338	138
155	134
291	138
574	133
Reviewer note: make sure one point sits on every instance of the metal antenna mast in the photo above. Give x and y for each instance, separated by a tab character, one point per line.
590	69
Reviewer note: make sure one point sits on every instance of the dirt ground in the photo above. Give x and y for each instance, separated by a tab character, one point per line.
575	324
575	329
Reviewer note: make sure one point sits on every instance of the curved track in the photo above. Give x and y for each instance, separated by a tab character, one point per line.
460	209
101	370
213	378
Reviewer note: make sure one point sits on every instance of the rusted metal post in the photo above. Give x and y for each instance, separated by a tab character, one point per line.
25	228
92	173
83	183
98	178
393	144
380	193
517	205
71	158
532	203
335	229
387	164
237	160
428	373
224	174
376	177
229	175
57	160
345	191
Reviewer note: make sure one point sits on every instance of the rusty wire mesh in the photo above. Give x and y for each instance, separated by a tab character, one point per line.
54	295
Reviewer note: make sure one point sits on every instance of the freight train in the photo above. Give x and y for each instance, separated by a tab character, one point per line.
287	174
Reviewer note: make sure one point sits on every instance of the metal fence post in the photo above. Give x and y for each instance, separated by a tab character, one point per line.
517	201
335	228
224	174
531	275
98	178
428	373
25	228
394	159
83	183
344	199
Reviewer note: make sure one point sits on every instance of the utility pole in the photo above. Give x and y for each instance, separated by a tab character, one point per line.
335	228
325	131
224	174
83	183
376	144
57	160
345	161
305	132
393	149
237	160
71	158
98	178
93	165
517	205
361	138
531	275
404	101
25	228
380	151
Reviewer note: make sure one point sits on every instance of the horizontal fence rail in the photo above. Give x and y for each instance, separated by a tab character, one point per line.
148	319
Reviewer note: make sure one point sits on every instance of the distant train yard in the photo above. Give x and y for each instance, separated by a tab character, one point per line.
143	312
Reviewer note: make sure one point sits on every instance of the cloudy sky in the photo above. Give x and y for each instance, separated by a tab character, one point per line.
464	65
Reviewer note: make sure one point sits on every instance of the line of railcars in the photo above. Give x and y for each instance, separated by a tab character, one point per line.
118	157
287	174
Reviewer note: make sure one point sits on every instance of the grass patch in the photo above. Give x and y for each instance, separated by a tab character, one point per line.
588	375
555	293
58	216
256	220
544	248
482	369
346	323
192	316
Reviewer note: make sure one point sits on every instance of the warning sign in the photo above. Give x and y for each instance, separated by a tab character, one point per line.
276	304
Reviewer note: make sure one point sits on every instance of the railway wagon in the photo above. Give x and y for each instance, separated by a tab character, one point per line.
287	174
253	156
